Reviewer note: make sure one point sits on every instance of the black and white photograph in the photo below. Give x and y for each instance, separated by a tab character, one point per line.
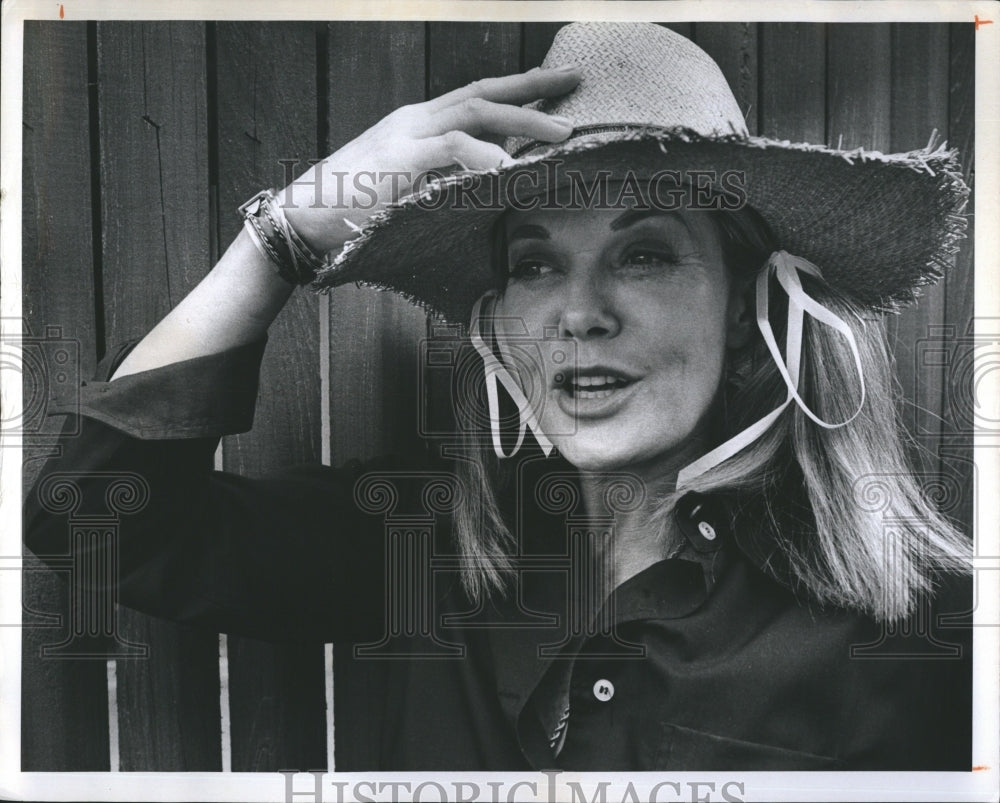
500	401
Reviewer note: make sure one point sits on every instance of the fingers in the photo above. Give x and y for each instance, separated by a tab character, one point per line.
515	89
479	116
457	147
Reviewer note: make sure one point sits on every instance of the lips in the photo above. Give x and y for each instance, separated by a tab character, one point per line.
594	393
593	383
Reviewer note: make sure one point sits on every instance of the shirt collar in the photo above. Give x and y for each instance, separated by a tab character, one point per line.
538	627
679	585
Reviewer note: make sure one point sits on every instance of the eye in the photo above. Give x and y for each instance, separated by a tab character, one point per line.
649	258
529	268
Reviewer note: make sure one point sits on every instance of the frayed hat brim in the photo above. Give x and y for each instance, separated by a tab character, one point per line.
879	226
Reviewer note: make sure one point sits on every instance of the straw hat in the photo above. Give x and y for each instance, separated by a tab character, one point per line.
877	225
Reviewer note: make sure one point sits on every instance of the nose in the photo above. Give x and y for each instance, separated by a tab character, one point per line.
588	311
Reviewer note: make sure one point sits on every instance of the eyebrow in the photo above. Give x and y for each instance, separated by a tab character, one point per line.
634	216
531	231
528	231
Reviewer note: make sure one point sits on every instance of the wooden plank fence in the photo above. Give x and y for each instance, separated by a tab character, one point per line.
140	139
267	113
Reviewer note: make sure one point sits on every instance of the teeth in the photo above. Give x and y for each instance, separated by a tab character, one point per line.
590	381
595	387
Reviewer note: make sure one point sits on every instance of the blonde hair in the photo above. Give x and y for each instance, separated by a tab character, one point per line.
874	539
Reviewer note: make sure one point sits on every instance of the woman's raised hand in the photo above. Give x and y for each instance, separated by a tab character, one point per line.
236	302
383	163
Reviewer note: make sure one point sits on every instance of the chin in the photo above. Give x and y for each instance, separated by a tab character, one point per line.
641	451
587	455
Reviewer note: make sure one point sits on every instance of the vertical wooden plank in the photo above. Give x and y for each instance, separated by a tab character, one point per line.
919	106
962	135
154	215
64	704
685	29
733	45
374	336
536	40
893	104
57	252
267	112
960	282
793	81
919	84
154	209
458	54
858	81
461	52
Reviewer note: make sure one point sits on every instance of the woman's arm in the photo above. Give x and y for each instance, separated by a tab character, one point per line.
241	296
290	555
232	306
286	556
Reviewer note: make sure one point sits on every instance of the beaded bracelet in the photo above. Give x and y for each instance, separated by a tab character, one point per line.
264	218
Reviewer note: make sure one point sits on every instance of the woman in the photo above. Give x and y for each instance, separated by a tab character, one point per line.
687	316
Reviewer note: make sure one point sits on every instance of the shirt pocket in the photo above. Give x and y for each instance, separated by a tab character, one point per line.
685	749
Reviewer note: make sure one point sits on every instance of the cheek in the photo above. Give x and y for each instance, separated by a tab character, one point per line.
687	382
518	312
686	353
520	326
534	361
688	329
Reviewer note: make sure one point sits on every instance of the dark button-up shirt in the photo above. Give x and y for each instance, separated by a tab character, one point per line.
708	660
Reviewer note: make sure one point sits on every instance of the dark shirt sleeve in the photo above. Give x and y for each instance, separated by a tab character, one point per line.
285	557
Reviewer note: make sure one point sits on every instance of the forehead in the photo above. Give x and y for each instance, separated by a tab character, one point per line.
542	223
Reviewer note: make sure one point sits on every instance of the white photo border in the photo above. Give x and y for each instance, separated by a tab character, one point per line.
981	784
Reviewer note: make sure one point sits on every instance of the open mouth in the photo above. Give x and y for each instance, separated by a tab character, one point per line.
593	384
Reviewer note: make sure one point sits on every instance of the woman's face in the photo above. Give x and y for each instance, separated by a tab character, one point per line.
631	313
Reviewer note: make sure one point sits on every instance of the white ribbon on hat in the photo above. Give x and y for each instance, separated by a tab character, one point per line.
785	267
496	371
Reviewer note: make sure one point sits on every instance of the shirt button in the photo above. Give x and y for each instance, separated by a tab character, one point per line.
707	530
604	690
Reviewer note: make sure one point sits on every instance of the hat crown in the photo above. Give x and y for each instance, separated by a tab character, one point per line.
878	225
639	74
